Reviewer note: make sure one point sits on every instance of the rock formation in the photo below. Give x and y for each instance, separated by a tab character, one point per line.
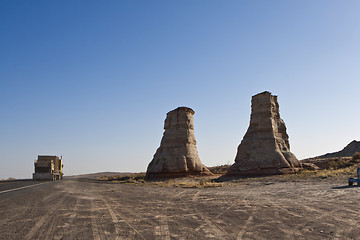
265	148
177	155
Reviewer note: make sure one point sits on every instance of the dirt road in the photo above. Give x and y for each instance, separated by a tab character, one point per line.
84	209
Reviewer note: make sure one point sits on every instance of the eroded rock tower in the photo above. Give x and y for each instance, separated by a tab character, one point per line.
177	155
265	148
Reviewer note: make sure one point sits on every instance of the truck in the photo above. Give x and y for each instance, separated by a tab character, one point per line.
48	168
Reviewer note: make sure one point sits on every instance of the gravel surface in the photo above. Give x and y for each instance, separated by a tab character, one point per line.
256	209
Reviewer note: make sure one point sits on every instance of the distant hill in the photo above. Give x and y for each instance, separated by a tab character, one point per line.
348	151
97	175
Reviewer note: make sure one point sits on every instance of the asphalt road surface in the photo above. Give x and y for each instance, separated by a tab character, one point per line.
85	209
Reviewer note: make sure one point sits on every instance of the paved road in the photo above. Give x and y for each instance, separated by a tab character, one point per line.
14	184
84	209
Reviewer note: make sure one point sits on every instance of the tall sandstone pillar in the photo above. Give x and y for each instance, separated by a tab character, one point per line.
265	148
177	155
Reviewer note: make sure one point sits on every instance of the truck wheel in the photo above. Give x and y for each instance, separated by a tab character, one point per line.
350	183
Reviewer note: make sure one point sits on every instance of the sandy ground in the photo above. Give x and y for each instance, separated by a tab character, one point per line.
256	209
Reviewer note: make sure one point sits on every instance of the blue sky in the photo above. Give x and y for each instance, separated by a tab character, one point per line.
93	80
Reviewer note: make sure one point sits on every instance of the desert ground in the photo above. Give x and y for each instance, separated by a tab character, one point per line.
261	208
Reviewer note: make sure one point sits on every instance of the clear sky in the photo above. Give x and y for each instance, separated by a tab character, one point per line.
93	80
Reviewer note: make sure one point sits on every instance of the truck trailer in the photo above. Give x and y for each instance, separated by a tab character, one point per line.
48	168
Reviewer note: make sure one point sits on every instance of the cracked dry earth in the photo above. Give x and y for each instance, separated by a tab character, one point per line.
85	209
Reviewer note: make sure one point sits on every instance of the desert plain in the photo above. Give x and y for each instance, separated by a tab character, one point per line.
276	207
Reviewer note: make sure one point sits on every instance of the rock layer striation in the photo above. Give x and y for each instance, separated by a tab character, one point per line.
177	155
265	148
